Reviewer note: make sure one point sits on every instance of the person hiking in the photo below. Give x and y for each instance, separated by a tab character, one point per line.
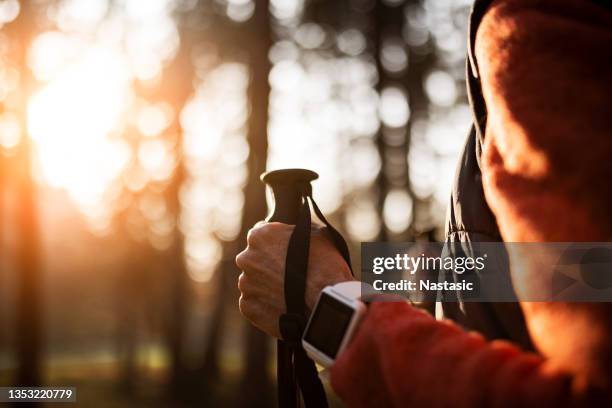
536	167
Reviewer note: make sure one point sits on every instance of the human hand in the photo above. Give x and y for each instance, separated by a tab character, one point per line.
261	283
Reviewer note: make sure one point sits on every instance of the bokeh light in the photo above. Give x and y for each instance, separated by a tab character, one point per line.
212	202
72	118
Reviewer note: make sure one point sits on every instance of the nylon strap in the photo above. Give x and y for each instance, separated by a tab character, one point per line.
297	374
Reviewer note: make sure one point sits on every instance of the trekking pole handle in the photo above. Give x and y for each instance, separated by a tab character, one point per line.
288	190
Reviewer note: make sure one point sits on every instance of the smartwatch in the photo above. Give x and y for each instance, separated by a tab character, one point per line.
333	321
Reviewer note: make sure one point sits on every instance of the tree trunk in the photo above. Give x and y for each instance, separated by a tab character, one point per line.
226	288
3	218
28	319
382	185
256	385
179	286
394	143
418	67
178	79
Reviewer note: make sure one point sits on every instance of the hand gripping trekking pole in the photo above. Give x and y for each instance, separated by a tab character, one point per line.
296	372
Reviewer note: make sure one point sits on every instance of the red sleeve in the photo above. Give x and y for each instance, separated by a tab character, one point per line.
401	356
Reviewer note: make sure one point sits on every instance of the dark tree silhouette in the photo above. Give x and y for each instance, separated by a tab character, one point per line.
421	59
379	12
178	80
256	387
29	302
3	218
388	24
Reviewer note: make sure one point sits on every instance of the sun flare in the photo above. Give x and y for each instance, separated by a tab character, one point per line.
72	120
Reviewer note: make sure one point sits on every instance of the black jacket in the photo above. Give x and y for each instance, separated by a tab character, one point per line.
470	219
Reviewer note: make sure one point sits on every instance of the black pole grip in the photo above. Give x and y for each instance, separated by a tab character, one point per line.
287	188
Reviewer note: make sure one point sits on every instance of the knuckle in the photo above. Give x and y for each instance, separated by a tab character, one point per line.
248	261
242	283
245	307
241	259
278	228
268	232
254	236
241	304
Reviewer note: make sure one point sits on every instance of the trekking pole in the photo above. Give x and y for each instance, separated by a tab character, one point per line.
290	188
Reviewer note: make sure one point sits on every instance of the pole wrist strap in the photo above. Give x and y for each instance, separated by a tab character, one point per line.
297	373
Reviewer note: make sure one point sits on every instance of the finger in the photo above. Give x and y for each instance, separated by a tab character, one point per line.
257	299
270	323
242	285
269	231
261	315
255	235
278	228
269	290
246	308
243	259
255	262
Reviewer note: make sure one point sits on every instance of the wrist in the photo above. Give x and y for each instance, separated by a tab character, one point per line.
334	320
313	295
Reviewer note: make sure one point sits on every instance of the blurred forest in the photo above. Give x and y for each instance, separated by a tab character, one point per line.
132	137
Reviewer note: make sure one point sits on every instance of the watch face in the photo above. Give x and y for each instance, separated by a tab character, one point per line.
328	325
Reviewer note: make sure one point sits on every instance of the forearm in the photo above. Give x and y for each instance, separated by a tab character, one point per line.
401	356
